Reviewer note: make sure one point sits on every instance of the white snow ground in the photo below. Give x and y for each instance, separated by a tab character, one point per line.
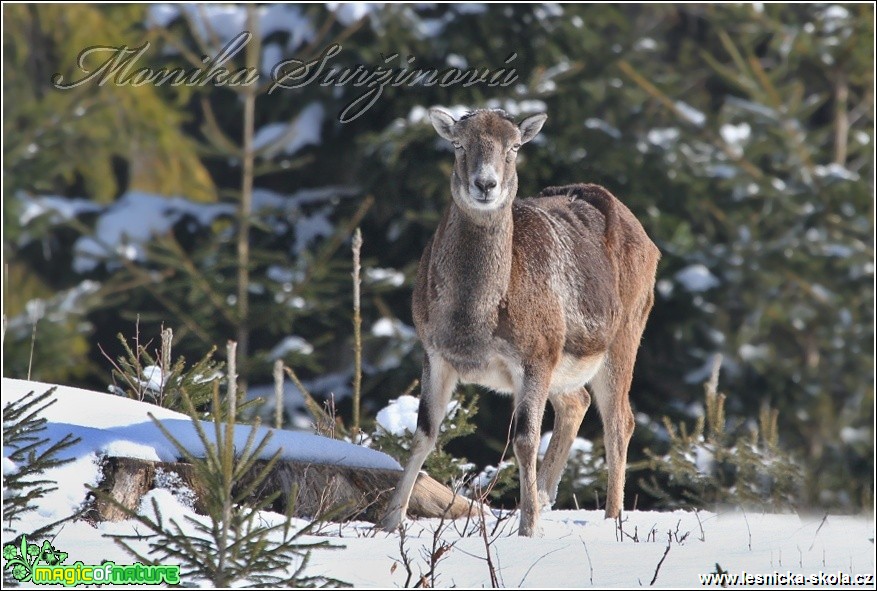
576	549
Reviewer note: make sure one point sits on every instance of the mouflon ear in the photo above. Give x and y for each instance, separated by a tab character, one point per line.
443	122
530	126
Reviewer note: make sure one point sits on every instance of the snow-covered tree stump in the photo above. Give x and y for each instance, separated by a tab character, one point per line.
313	490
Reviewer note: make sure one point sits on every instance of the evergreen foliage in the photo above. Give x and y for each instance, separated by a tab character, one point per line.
741	136
712	465
31	455
499	484
57	144
441	465
233	546
48	339
155	378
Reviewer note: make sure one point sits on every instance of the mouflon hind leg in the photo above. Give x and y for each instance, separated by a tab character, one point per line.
569	411
611	387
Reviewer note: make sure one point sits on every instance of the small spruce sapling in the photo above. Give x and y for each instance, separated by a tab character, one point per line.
440	465
160	379
234	545
714	465
30	455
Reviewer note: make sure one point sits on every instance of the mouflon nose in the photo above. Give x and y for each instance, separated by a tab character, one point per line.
485	184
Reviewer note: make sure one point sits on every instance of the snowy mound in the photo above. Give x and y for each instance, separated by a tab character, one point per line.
576	548
115	426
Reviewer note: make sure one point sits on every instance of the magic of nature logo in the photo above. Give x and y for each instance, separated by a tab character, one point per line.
44	565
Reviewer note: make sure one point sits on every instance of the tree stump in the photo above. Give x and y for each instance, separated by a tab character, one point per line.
313	490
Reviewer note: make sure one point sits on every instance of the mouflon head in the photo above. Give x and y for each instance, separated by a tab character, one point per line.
486	144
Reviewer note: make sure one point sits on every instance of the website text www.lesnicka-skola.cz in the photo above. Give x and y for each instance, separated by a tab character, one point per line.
778	579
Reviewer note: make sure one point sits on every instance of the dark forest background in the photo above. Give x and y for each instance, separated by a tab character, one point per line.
740	135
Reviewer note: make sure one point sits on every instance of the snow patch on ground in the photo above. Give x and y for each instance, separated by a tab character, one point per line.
108	424
72	478
573	548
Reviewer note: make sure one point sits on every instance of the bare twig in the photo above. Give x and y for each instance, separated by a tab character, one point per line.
357	331
712	385
245	210
141	389
841	119
502	521
329	428
167	338
118	369
33	342
821	523
521	584
436	553
226	449
320	416
660	562
747	527
676	533
490	485
702	536
232	381
404	557
590	566
494	581
278	393
135	382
